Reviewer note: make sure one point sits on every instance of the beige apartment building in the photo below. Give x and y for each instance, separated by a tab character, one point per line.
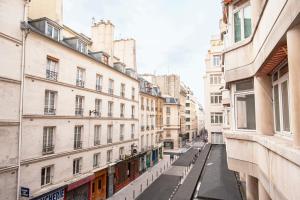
191	115
213	81
69	104
261	60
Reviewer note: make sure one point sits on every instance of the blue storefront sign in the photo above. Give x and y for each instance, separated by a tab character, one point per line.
57	194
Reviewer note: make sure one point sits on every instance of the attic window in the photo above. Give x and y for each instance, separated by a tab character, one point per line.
81	47
52	32
105	59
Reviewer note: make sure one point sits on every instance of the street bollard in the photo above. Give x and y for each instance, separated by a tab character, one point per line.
133	194
147	183
141	189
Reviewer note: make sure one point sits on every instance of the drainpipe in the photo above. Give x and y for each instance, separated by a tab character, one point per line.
24	36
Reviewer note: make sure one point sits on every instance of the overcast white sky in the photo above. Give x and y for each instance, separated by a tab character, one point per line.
172	36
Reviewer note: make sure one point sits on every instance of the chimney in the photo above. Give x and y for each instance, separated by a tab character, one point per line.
52	9
125	50
102	37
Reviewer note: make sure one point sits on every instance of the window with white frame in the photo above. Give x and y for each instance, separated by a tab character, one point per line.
122	132
242	23
50	97
216	60
80	77
109	133
96	160
81	46
46	175
122	92
122	109
132	112
132	93
48	140
52	69
245	105
79	100
97	135
111	86
77	165
98	105
216	98
132	131
215	79
121	152
110	106
168	121
109	156
99	81
52	31
216	117
281	100
77	137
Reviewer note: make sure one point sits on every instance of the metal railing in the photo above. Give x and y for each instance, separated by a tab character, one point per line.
48	149
79	111
52	75
77	144
49	111
80	83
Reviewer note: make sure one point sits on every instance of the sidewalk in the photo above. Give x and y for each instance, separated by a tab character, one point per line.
136	187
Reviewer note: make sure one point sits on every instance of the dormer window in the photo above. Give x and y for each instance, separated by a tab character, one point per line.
81	46
105	59
52	31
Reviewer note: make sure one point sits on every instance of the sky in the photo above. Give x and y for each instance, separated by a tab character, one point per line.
172	36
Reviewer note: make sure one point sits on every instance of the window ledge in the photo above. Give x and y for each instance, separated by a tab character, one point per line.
282	146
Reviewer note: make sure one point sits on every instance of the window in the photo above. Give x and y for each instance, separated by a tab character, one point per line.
52	69
97	135
80	77
245	105
132	112
77	137
132	93
105	59
151	105
281	100
110	106
46	175
50	102
168	134
216	98
48	135
52	31
122	90
96	160
110	86
142	141
187	104
77	166
147	140
151	142
109	133
215	79
216	118
121	132
98	105
147	101
121	153
188	112
122	109
81	46
132	131
168	120
142	103
242	24
99	80
79	105
168	110
188	119
217	60
109	156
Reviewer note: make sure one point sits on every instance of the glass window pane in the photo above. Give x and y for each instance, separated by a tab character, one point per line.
237	27
285	106
247	22
276	107
245	107
245	85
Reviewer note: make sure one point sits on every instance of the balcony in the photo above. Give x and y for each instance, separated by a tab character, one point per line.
142	128
48	149
79	111
99	88
49	111
51	75
109	140
121	137
96	142
80	83
77	144
110	91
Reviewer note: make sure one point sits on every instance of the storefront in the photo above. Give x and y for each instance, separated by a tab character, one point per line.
154	156
148	159
142	164
99	185
160	152
126	171
57	194
80	190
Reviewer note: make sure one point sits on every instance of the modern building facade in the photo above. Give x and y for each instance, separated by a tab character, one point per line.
262	42
214	83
